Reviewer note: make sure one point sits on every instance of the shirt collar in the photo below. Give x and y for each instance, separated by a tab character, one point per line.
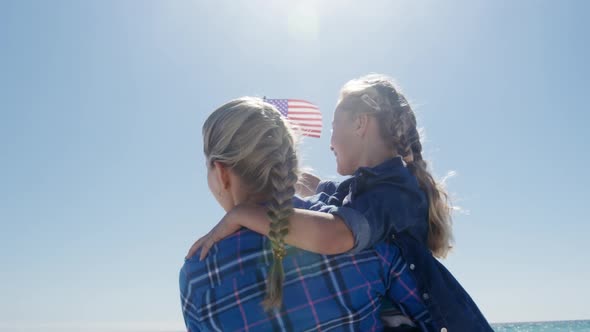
386	168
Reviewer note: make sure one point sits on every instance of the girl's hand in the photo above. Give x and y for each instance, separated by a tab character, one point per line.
222	230
307	184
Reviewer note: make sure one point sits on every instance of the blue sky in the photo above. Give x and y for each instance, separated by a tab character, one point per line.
102	183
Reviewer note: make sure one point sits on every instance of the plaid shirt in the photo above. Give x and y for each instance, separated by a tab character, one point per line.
321	293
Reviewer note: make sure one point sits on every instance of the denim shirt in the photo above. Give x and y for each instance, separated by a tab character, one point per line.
376	203
395	209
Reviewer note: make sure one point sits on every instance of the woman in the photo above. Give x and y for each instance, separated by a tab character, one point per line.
251	159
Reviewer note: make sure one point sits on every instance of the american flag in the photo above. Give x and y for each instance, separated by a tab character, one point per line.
303	116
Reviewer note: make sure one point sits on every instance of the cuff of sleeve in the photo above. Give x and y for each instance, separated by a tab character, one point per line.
326	186
300	203
358	225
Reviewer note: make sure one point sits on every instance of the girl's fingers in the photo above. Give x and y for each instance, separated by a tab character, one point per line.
195	247
207	244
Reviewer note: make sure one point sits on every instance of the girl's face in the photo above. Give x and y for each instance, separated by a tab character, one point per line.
345	143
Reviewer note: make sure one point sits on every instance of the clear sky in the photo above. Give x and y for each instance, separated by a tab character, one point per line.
102	179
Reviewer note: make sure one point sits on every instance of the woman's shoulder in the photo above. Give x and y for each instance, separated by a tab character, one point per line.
227	258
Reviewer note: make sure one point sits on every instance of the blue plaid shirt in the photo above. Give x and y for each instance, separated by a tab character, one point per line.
224	292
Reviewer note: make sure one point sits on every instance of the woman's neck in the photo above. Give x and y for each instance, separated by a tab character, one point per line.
248	197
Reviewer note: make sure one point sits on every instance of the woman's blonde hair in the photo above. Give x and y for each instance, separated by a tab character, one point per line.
250	137
377	95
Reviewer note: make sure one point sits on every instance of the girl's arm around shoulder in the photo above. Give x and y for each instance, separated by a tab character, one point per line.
327	230
315	231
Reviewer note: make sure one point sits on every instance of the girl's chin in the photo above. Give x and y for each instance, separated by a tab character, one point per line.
341	171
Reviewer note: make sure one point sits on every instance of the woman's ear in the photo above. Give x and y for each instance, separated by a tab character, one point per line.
222	174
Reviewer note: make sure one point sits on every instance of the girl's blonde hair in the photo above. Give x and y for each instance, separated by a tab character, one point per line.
377	95
250	137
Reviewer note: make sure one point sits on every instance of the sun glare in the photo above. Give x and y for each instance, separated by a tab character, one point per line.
303	20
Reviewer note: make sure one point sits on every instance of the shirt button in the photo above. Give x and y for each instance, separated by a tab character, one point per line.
412	267
425	296
444	329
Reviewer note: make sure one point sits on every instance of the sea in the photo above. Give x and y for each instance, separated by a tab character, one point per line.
556	326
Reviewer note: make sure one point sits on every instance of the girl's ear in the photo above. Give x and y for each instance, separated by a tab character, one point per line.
361	124
222	174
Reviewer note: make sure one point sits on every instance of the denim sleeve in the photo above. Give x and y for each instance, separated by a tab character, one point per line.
301	202
327	187
355	221
317	202
358	221
370	222
358	225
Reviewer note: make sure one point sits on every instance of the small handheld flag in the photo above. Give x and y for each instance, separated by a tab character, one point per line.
302	115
